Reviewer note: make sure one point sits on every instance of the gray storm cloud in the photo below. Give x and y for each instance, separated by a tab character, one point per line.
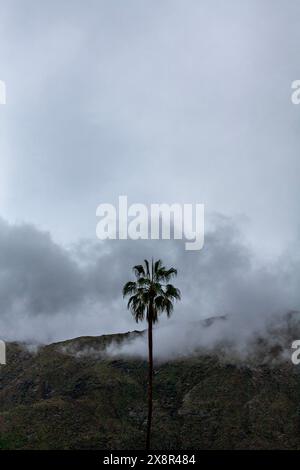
49	293
169	101
166	101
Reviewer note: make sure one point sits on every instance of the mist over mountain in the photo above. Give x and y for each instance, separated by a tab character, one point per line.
76	394
50	292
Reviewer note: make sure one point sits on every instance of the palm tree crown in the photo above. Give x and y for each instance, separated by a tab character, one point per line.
151	293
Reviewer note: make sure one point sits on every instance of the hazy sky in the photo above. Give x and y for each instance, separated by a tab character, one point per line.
163	101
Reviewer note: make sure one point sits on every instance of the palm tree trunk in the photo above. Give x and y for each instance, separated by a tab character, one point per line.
150	350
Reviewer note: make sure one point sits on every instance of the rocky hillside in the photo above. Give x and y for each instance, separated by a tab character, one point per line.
70	395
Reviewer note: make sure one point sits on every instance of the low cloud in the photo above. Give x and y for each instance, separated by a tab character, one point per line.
49	292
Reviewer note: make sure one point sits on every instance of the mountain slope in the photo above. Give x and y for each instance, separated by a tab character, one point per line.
70	395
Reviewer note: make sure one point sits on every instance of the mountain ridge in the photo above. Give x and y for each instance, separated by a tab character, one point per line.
57	398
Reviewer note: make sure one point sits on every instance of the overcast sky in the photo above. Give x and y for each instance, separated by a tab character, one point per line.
163	101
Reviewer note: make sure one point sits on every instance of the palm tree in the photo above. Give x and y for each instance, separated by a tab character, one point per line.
149	296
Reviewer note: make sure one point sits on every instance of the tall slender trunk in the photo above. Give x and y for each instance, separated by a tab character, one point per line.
150	350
